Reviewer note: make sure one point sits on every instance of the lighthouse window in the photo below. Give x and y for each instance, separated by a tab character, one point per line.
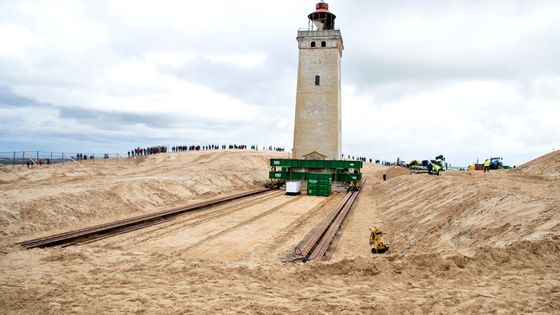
323	44
317	80
312	44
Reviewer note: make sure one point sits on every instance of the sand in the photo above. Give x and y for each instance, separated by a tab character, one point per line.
37	201
463	242
545	167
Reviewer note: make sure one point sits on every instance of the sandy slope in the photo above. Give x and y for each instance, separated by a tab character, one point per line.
547	166
69	196
456	211
463	242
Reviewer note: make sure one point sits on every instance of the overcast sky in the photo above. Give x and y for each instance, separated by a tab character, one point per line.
465	79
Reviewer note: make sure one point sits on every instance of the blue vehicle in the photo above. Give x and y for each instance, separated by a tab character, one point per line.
496	163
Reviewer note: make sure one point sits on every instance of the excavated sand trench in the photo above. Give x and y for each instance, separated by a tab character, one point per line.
272	221
463	242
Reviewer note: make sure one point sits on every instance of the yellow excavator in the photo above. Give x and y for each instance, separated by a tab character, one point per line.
376	241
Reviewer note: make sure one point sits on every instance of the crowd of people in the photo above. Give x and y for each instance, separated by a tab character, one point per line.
81	157
370	160
211	147
147	151
360	158
38	162
214	147
181	148
271	148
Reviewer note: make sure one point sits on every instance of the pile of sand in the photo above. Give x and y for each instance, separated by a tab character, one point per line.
374	172
396	171
512	280
59	197
457	211
547	166
462	242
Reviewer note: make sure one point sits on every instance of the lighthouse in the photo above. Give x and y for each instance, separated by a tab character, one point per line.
317	130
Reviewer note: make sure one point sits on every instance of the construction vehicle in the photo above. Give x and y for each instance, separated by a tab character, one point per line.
496	163
354	186
440	160
418	166
275	183
432	167
376	241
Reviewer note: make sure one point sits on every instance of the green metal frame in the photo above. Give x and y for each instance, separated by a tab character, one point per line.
340	171
305	176
333	164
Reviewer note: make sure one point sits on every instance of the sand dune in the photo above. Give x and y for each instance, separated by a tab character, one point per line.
463	242
61	197
547	166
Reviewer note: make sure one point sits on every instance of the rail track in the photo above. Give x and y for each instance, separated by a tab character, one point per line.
316	245
93	233
180	223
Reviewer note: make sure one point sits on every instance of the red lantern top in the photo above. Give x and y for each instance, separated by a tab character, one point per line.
322	7
322	17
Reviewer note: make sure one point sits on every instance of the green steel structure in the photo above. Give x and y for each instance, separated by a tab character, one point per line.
319	174
324	164
347	178
319	184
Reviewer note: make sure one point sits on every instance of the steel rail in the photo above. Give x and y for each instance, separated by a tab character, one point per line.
329	236
318	244
305	248
92	233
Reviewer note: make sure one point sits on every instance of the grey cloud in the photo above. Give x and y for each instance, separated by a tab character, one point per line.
369	71
10	99
386	60
104	119
81	129
123	121
405	54
269	84
115	121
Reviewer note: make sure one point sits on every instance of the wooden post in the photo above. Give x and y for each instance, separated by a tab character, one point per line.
62	158
14	161
37	156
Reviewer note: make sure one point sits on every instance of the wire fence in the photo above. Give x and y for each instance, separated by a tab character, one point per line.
40	158
32	159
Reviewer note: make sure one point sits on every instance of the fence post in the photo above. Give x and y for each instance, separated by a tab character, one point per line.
62	158
117	159
50	161
14	161
37	157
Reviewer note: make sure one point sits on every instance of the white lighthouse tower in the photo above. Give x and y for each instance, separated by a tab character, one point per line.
317	131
